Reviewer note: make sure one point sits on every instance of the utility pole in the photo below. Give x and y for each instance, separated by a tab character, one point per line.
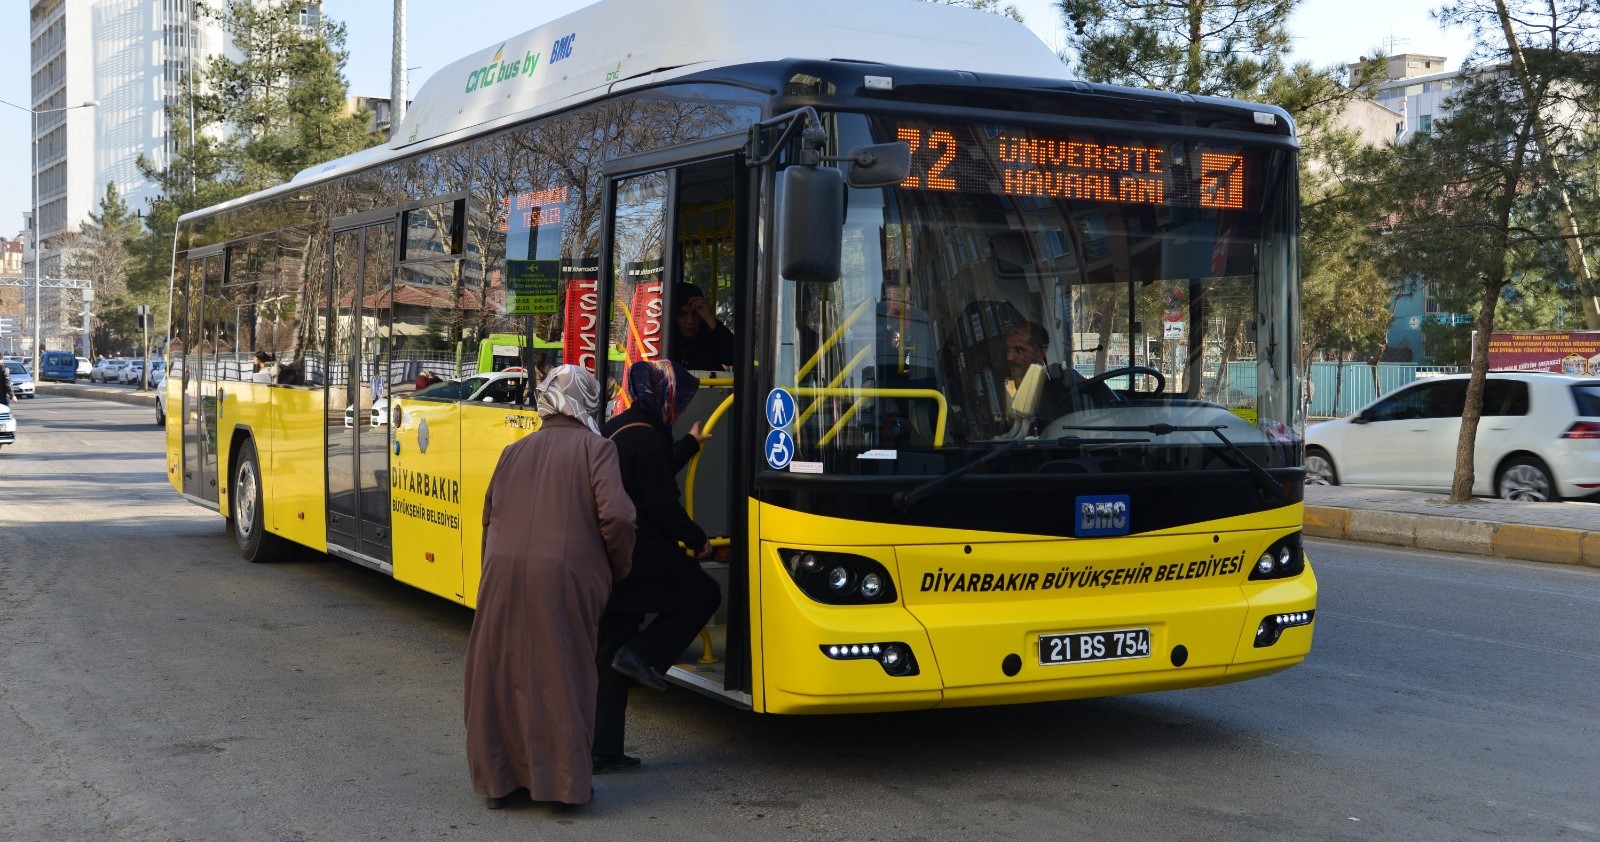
397	70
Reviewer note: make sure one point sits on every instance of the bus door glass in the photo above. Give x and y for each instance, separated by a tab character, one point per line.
671	294
358	348
200	421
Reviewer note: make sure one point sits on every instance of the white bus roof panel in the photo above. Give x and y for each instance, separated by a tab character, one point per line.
615	40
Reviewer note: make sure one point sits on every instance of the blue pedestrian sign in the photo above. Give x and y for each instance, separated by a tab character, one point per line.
780	409
779	449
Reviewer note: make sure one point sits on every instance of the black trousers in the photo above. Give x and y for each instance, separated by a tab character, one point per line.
659	644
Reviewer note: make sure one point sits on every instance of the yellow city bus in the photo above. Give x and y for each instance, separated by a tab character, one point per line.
1013	413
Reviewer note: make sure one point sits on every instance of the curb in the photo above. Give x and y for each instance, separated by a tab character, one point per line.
1549	544
98	393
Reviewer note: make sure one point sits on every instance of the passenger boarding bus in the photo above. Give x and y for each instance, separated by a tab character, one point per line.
1010	409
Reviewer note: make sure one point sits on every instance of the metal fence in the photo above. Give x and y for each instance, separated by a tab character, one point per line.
1356	387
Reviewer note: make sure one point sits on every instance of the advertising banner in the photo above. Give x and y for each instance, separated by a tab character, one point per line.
1565	352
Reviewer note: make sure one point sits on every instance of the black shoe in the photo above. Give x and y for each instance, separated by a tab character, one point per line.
630	664
604	764
493	803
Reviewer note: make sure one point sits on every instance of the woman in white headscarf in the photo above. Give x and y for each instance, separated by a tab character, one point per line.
558	530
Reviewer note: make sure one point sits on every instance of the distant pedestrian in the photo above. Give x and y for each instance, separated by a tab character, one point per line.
5	384
531	675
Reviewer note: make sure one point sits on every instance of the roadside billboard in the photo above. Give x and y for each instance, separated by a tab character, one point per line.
1567	352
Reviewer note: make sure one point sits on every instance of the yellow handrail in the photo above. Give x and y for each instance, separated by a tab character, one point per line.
832	340
694	462
854	363
929	394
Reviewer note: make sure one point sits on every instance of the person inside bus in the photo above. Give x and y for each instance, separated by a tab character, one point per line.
666	581
530	672
700	342
1025	346
261	362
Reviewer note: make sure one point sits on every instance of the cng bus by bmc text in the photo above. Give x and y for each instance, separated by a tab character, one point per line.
1008	404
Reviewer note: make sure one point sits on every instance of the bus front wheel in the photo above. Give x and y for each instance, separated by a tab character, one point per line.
256	544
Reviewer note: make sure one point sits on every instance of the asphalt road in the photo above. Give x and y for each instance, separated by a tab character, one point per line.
153	686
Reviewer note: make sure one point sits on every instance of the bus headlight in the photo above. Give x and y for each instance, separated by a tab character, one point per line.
1285	558
839	578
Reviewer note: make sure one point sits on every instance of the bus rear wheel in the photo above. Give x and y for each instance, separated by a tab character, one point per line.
248	519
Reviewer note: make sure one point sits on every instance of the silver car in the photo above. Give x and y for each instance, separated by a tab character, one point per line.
21	380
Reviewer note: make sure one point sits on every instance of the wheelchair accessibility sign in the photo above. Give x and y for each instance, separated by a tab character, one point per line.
779	449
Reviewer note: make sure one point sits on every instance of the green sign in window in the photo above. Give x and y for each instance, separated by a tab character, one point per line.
531	287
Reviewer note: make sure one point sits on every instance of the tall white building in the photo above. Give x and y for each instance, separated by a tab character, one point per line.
131	56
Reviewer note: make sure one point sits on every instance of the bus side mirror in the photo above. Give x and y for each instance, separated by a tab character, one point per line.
879	165
811	224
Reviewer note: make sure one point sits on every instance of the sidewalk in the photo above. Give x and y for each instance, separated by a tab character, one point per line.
1560	533
98	391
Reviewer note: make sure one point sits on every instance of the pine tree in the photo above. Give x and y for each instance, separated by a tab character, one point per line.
100	252
1213	47
257	120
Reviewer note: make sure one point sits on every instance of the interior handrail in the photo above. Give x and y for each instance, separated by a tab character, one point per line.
934	395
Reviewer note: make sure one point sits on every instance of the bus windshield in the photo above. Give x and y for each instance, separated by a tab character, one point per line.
1151	278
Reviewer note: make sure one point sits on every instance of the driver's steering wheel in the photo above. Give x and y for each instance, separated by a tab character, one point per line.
1097	383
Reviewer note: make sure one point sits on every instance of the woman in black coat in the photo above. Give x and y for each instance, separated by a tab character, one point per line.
665	580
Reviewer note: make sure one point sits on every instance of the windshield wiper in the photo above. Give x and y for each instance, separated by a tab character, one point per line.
1270	488
904	500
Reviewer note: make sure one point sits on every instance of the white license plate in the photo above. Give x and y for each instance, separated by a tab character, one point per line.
1078	647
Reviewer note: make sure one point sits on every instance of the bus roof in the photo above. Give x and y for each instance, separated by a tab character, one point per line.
614	45
612	41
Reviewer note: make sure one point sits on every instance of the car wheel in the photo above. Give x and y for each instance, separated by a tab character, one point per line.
1526	479
1319	468
248	510
161	417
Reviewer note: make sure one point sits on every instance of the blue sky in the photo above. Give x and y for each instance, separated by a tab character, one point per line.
1327	32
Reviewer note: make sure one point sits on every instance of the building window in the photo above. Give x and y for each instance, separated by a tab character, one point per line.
1425	123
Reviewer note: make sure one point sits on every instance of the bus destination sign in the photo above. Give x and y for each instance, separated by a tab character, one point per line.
1014	162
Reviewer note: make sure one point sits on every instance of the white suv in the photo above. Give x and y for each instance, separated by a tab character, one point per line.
1539	438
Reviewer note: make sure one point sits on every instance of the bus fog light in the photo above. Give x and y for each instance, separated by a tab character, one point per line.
871	586
894	657
1264	564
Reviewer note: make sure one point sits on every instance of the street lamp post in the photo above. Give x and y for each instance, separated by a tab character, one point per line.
38	247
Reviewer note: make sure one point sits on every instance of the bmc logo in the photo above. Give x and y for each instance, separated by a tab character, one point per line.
562	48
1101	515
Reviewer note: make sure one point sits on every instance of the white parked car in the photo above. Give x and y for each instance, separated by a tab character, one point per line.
8	426
106	370
84	366
21	380
131	373
1539	438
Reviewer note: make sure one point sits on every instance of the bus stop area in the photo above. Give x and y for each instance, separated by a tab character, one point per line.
1558	533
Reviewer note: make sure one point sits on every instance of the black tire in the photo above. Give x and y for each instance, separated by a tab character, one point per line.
1319	467
1526	479
247	515
161	417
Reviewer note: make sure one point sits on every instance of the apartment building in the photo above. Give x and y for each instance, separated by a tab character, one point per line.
132	57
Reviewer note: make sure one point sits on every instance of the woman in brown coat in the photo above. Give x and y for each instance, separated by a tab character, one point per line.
558	529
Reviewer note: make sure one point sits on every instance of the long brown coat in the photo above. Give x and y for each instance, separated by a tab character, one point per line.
559	528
